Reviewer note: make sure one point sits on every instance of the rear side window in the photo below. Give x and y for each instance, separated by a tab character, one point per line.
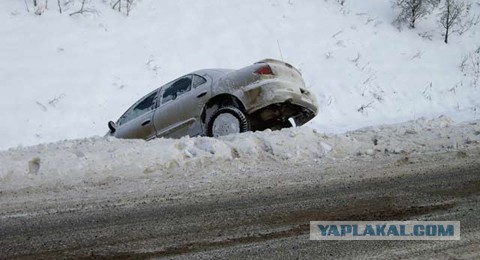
177	88
140	108
198	80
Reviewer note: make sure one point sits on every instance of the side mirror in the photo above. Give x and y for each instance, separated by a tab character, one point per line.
112	127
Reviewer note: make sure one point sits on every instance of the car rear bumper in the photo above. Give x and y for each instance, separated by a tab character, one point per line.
270	92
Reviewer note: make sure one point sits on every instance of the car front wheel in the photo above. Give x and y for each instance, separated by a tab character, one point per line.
227	120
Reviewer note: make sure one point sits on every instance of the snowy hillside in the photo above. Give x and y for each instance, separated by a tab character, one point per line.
65	76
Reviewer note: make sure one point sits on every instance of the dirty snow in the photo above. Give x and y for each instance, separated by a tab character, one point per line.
74	161
65	77
94	161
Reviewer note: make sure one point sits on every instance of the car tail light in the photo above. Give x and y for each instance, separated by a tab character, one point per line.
265	70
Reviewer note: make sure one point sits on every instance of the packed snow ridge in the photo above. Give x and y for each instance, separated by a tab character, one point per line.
100	159
86	69
77	160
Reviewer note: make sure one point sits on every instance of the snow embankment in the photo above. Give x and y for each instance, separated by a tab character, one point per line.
101	160
86	69
74	161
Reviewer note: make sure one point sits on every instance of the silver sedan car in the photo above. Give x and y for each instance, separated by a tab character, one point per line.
269	94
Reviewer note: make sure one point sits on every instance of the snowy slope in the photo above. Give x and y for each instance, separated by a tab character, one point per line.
65	76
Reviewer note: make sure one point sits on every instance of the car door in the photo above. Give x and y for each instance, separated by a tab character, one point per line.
137	121
180	107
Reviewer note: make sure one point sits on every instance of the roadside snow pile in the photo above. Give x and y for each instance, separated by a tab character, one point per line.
96	159
416	136
103	160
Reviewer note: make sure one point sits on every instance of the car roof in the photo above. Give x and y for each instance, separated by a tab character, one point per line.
213	73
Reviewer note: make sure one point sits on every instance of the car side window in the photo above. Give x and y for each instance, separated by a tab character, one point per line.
140	108
198	80
177	88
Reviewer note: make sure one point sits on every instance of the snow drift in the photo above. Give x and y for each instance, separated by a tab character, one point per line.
75	161
104	160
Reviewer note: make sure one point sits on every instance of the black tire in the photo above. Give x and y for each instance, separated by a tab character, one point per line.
286	124
242	118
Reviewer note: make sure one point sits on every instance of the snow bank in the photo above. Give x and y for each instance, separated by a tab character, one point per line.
104	160
416	136
95	159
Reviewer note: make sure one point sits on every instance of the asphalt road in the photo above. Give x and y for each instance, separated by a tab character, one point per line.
267	221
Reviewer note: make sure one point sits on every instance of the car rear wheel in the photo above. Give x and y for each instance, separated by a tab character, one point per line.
227	120
289	123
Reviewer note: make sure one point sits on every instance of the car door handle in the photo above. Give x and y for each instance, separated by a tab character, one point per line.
146	123
202	94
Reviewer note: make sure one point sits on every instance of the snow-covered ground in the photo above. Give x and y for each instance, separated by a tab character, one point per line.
64	77
109	162
241	195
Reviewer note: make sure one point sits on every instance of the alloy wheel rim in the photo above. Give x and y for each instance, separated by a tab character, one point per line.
225	124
